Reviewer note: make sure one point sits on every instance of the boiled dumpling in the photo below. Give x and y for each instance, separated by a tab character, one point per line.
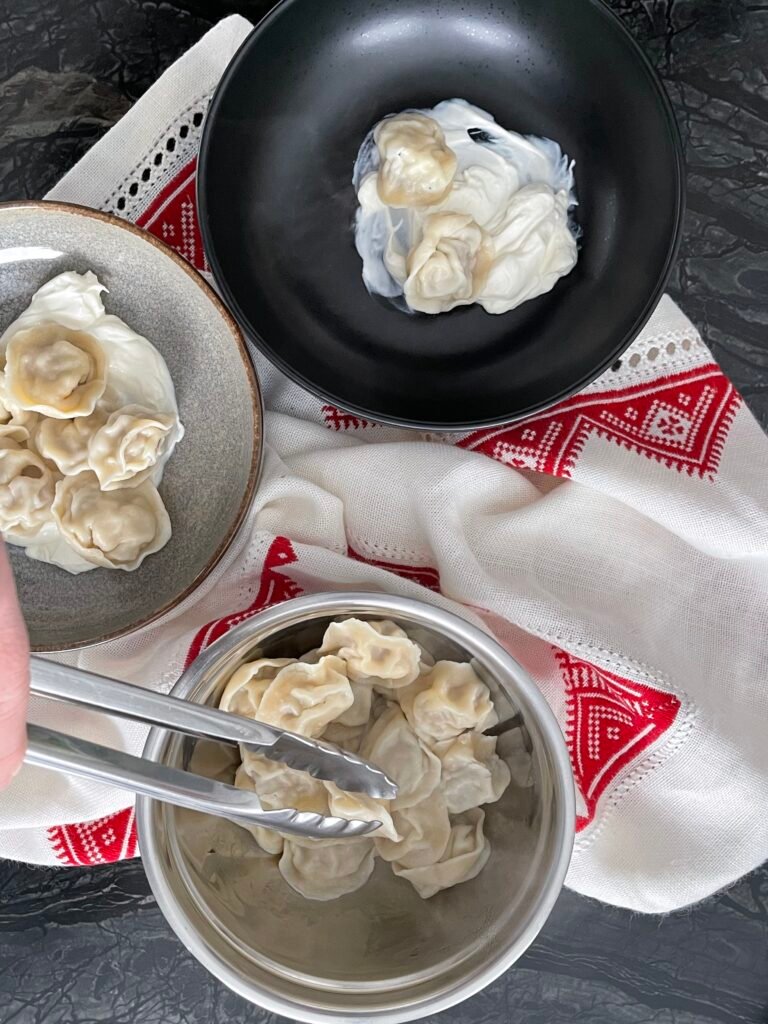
65	442
362	808
447	700
268	839
424	830
416	165
375	652
327	868
394	747
116	529
25	418
26	486
449	265
512	746
464	857
54	370
306	698
13	435
359	711
311	657
242	694
348	737
473	773
278	786
126	449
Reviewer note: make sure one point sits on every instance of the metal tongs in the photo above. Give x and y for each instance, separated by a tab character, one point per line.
50	749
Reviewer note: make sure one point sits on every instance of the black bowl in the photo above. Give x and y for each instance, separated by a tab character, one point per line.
277	202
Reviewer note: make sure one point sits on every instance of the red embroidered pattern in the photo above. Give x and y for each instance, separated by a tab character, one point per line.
337	419
172	217
610	722
102	841
423	574
681	420
274	587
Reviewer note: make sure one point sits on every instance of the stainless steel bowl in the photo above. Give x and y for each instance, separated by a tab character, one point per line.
381	953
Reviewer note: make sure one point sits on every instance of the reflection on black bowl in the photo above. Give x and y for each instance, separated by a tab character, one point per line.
277	201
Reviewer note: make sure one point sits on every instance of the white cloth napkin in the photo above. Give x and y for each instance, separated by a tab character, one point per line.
617	545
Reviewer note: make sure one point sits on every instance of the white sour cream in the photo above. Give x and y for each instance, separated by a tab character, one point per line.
497	232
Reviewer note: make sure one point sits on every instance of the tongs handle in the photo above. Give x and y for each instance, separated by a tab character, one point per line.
323	760
49	749
63	682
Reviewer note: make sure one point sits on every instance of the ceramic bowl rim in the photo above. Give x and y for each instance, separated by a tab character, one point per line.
43	206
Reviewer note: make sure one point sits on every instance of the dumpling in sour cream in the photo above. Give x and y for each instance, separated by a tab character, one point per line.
417	167
54	370
128	447
115	529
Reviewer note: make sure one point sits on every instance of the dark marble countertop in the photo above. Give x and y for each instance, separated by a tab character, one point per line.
86	946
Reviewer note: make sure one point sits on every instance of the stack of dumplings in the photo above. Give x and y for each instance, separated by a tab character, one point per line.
88	419
371	690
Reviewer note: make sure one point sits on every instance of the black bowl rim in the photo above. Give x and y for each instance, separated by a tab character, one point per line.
458	427
42	206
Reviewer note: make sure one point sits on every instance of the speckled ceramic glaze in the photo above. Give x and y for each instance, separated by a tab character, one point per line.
209	483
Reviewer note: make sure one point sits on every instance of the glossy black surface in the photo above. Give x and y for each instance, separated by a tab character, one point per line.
277	203
86	947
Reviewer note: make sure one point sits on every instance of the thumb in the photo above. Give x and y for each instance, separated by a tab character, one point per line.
14	675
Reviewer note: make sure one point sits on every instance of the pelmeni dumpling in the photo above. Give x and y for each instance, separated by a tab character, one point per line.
514	747
394	747
13	435
359	711
54	370
363	808
311	657
65	442
416	166
424	833
465	856
328	868
116	529
268	839
242	694
348	737
26	487
126	449
375	652
449	265
278	786
447	700
473	773
306	698
25	418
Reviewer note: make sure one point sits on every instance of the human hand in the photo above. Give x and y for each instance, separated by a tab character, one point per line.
14	675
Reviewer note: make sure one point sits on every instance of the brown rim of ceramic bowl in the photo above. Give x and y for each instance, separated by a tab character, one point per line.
258	410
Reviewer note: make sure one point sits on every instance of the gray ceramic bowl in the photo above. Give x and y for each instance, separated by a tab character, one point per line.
210	481
380	954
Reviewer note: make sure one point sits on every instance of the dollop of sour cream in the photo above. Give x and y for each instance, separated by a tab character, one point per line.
454	209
